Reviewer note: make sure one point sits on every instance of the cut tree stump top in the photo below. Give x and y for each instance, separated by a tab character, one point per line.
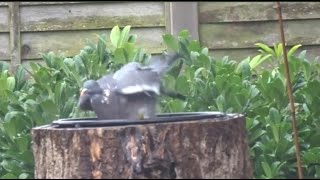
203	148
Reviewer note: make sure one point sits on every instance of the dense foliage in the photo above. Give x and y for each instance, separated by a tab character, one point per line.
210	84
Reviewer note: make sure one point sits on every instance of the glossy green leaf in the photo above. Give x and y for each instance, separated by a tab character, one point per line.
124	36
170	41
184	34
115	36
220	101
265	48
266	169
257	60
9	176
23	176
293	50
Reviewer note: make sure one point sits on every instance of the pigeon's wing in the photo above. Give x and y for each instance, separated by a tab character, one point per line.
107	82
109	107
135	79
161	64
141	106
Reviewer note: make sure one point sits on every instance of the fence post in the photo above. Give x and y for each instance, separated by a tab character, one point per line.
182	15
15	49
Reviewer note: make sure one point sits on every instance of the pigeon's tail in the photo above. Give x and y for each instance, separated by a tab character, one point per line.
161	64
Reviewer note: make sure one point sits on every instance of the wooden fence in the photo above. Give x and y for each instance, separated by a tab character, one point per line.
28	29
232	28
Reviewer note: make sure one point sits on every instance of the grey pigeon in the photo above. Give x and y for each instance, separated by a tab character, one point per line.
129	93
141	85
98	96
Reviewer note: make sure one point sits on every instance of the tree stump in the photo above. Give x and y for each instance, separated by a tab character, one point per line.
203	148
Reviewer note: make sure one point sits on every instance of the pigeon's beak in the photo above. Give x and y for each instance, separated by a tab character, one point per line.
84	100
83	91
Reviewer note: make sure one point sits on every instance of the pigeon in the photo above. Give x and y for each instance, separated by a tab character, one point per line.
129	93
98	96
141	85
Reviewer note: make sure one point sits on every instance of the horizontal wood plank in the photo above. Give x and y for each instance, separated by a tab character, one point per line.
38	3
4	19
5	4
212	12
4	46
71	42
54	2
92	16
246	34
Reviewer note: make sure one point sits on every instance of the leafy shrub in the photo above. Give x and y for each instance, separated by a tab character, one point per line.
259	93
51	93
212	84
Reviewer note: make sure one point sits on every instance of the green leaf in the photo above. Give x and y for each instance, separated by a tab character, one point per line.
194	56
196	74
256	134
182	85
23	143
220	103
26	156
205	51
184	50
194	46
176	69
169	82
115	36
275	118
257	60
9	176
101	49
279	51
274	115
129	50
276	166
7	165
23	176
184	34
11	83
244	69
132	38
266	169
305	108
20	75
265	48
293	50
124	36
119	56
307	70
170	42
10	129
302	54
177	106
101	38
49	107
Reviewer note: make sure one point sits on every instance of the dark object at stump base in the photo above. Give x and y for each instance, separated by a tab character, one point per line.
181	145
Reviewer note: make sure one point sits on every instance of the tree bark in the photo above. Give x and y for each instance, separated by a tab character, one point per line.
209	148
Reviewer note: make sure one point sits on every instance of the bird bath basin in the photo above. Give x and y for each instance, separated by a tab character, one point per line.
160	118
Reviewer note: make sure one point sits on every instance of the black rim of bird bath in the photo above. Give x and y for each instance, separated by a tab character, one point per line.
160	118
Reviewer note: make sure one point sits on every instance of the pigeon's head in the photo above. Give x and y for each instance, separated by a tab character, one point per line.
89	89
